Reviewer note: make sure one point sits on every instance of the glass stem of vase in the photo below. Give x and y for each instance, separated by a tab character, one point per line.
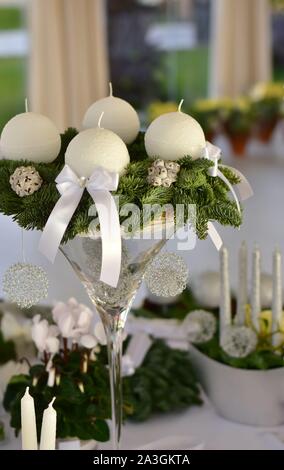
114	345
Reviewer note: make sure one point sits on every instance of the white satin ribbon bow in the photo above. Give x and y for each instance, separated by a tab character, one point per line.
71	188
213	153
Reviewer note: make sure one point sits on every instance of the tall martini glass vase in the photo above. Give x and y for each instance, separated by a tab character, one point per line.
84	253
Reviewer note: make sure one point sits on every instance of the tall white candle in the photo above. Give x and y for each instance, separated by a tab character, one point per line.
242	285
28	420
48	428
277	296
225	292
255	292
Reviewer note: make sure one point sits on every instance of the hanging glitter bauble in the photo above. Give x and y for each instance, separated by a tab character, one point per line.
205	326
25	181
167	275
25	284
238	341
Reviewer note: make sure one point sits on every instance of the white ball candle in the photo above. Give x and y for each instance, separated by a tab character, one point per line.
96	147
175	135
119	117
30	136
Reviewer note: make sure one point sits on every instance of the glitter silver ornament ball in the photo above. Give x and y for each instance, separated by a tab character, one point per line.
167	275
205	326
25	284
238	341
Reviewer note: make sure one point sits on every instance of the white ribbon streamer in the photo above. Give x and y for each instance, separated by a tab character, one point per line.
71	188
212	152
136	351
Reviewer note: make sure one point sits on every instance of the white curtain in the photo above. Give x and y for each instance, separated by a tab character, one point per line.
240	46
69	61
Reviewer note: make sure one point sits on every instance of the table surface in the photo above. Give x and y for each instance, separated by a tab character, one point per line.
202	423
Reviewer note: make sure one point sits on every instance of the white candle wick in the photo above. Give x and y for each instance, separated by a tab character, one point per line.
100	120
52	401
110	89
26	105
180	105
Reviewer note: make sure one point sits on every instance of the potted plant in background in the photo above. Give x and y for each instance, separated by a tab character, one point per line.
237	123
72	366
267	108
207	113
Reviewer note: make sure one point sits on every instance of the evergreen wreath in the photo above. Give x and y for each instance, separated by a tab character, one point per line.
193	186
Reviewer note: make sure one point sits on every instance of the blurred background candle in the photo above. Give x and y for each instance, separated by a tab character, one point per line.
255	291
225	293
242	285
277	296
28	420
48	428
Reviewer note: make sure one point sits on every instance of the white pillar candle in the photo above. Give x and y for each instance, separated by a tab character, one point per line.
119	117
225	316
30	136
28	421
277	296
48	428
255	292
175	135
242	285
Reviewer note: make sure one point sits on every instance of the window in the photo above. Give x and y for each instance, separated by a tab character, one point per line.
13	53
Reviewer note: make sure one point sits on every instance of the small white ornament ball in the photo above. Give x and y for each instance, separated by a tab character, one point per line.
30	136
206	289
174	135
119	117
96	147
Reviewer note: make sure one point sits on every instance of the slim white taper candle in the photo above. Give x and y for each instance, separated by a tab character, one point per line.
28	421
277	296
48	428
255	291
225	316
242	285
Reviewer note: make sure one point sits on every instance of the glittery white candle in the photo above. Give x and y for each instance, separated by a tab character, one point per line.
255	291
225	293
242	285
277	296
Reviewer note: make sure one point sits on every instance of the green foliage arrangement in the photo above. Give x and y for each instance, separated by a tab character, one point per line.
264	357
160	385
193	186
164	383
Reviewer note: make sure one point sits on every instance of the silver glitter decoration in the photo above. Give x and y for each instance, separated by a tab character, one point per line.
167	275
238	341
25	284
206	323
163	173
25	181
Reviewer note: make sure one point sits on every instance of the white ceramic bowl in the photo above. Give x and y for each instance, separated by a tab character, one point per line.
254	397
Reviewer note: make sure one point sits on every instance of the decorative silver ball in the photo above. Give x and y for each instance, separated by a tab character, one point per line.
25	181
200	326
25	284
206	289
238	341
167	275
